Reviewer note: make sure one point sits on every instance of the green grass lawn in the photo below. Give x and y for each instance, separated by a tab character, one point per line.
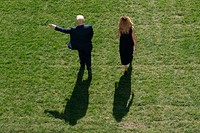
42	89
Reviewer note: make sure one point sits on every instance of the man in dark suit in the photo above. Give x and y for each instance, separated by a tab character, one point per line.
81	40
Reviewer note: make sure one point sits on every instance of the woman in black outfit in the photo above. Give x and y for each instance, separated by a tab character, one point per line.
127	41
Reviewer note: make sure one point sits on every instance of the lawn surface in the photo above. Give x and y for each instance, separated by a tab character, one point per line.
43	90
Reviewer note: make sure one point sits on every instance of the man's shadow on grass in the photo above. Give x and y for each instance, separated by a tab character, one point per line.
76	107
122	104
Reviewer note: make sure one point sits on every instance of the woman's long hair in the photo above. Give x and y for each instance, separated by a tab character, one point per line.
125	24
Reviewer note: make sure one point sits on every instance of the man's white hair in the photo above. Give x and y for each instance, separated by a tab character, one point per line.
79	17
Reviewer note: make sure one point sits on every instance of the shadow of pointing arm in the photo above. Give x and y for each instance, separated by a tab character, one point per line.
55	114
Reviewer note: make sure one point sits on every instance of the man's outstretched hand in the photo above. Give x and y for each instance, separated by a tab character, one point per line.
53	26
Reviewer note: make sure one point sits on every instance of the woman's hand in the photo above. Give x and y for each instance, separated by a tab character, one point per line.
135	48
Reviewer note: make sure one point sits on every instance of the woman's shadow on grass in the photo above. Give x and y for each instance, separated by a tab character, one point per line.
76	107
122	104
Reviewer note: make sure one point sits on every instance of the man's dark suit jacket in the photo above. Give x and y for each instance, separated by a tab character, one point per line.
80	36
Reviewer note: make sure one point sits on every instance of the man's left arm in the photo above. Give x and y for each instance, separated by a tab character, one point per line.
92	32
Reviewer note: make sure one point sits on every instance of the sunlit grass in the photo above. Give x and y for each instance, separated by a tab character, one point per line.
39	73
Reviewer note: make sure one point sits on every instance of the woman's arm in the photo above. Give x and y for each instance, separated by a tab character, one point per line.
119	33
134	41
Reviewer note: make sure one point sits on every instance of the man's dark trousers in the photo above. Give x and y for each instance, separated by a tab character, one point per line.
85	58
